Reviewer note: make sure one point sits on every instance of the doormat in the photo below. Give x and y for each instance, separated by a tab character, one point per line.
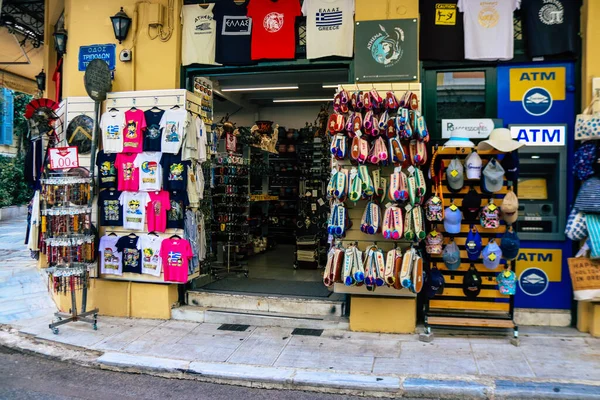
269	286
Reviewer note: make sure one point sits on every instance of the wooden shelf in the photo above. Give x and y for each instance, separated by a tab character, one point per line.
471	322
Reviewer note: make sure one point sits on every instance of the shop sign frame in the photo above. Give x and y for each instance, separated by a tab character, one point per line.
540	134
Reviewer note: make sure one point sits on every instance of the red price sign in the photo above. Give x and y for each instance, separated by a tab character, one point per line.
64	157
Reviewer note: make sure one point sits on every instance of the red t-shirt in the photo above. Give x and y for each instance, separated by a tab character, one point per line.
156	211
274	28
135	123
175	254
128	176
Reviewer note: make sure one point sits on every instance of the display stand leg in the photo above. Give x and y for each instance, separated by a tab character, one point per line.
73	316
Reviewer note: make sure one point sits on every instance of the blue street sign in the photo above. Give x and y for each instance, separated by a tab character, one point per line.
106	52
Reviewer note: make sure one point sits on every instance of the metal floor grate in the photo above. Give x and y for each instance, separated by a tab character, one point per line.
307	332
233	327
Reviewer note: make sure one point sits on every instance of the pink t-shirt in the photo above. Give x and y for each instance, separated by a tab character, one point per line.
135	123
175	254
128	176
156	211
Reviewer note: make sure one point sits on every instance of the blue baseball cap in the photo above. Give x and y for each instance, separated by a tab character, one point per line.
435	283
491	255
451	256
452	220
473	245
510	244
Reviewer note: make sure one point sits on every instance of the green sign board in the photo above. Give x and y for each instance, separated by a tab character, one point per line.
386	50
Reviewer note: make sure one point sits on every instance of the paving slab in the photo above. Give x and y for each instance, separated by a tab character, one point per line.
298	357
501	360
263	347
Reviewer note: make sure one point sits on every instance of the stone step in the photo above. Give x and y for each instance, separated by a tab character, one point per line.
333	306
257	318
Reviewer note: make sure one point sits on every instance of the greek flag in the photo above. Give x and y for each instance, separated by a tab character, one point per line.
332	18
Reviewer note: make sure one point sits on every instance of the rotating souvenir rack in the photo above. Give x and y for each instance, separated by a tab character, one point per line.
231	202
68	241
452	309
375	190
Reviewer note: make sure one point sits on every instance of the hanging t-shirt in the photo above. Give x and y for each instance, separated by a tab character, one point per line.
148	165
112	124
172	124
156	211
273	28
152	137
151	261
176	215
329	28
128	176
442	31
111	213
135	123
106	169
175	254
174	172
552	26
489	32
189	150
202	139
199	34
129	246
233	33
134	209
110	257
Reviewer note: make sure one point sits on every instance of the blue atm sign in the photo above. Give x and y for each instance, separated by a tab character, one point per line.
539	135
106	52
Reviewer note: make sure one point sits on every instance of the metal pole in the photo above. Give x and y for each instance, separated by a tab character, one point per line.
94	148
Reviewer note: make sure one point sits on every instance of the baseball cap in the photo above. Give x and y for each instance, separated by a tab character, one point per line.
451	256
491	255
473	244
507	282
472	283
510	207
473	166
471	205
510	244
434	242
435	283
490	216
493	177
452	219
510	163
455	175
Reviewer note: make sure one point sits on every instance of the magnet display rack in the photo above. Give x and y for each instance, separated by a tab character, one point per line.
144	100
355	210
490	310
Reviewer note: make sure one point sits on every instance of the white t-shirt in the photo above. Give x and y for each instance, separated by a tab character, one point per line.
151	261
202	139
112	124
134	209
489	32
199	35
110	258
148	165
172	124
190	143
329	28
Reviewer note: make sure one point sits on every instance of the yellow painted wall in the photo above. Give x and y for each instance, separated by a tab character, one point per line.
383	314
156	64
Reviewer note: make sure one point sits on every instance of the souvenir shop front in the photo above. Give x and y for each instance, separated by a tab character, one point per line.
348	157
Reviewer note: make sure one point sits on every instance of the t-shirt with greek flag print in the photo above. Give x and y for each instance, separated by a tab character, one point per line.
329	28
112	124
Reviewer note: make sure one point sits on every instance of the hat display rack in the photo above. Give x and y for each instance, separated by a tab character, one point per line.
450	307
370	254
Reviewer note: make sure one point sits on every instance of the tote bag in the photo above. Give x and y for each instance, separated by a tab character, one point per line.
588	198
587	124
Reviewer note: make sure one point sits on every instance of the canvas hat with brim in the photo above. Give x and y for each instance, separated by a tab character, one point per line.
501	140
457	141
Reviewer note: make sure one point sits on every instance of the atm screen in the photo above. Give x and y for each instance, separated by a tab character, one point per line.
533	189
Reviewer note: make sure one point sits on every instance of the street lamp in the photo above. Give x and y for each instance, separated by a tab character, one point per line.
60	41
40	79
121	23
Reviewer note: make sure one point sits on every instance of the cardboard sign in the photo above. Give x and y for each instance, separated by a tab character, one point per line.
585	275
63	157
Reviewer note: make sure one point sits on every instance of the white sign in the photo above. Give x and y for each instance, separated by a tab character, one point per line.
467	128
63	157
539	135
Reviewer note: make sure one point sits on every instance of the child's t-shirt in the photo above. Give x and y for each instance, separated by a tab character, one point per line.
175	254
156	211
135	124
174	172
112	124
176	215
152	137
128	177
173	128
110	257
148	164
134	209
151	261
106	169
130	249
111	213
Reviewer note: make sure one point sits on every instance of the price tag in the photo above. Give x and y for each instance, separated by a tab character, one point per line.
433	233
313	207
492	257
63	157
453	173
315	194
321	202
492	207
411	170
453	207
506	273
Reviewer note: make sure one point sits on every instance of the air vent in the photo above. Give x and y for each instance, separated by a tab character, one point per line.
233	327
307	332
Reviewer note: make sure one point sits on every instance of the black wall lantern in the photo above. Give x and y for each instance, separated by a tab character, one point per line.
121	23
60	41
40	79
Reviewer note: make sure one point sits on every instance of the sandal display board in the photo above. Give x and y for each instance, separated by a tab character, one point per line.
470	262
